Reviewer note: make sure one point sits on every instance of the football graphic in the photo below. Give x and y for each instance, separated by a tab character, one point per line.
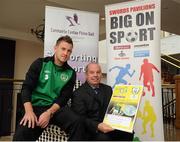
131	36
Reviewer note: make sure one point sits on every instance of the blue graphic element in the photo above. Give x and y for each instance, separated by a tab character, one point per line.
122	72
142	53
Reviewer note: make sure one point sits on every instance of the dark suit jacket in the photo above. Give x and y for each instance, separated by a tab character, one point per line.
85	103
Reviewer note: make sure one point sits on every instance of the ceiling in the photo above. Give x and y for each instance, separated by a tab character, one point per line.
20	16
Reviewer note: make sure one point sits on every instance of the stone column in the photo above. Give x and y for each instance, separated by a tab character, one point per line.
177	87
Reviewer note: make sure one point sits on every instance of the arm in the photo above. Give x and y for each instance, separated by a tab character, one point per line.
95	123
61	101
66	92
29	116
79	105
102	127
45	117
28	85
140	74
31	80
154	67
132	73
115	68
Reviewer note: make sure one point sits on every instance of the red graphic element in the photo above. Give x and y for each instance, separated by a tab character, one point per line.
147	72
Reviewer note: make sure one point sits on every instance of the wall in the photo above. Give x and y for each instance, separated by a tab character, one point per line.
102	59
170	45
26	53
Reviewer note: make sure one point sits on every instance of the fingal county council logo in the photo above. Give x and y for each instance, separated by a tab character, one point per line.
73	20
64	77
122	54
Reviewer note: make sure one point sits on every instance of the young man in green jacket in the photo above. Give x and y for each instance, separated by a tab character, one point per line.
47	87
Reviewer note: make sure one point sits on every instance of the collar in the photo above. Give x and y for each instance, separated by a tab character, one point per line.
93	87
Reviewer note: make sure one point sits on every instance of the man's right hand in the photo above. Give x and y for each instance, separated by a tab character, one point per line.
104	128
29	118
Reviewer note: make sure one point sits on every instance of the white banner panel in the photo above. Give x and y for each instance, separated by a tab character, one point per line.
81	26
133	44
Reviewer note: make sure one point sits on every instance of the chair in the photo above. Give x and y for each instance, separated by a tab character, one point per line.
53	133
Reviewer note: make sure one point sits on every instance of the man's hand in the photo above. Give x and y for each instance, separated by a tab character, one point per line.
44	119
104	128
30	119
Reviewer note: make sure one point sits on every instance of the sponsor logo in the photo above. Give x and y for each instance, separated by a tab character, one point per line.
123	58
122	54
142	53
135	90
141	45
122	47
73	20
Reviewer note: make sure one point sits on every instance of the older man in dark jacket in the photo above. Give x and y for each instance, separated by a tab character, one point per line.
91	101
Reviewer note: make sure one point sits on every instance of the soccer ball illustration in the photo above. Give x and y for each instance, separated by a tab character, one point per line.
131	36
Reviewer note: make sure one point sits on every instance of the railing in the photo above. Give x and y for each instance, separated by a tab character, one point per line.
170	59
168	102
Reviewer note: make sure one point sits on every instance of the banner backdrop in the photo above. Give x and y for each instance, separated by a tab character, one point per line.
133	44
79	26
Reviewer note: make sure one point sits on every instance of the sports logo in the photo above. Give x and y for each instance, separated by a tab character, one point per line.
64	77
122	90
135	90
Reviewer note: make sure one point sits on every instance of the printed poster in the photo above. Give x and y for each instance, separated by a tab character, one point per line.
133	47
122	109
79	26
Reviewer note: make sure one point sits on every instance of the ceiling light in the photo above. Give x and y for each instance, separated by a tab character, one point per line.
102	18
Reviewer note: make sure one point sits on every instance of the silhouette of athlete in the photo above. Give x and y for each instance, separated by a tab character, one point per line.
147	116
147	72
122	72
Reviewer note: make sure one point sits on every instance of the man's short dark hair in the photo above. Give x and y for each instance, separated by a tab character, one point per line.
65	38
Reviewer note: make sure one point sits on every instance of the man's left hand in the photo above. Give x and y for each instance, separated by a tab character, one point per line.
44	119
